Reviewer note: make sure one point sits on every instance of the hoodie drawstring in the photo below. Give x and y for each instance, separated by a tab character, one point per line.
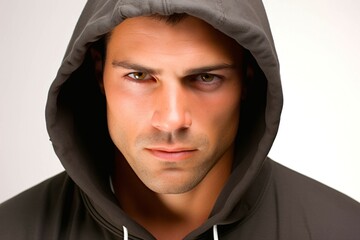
126	235
215	232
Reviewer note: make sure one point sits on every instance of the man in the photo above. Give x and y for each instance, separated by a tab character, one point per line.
162	114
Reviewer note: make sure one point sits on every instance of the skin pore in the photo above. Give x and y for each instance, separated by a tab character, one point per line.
173	95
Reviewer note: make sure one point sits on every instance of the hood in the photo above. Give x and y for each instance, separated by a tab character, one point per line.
76	114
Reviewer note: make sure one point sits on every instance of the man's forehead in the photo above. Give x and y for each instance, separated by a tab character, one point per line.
156	23
188	29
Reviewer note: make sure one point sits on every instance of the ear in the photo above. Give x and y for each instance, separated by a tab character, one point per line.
98	64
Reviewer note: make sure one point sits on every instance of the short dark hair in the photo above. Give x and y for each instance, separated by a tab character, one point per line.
172	19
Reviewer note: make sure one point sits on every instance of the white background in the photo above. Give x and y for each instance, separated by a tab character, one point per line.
318	44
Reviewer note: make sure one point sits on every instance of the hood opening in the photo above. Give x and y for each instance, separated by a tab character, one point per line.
252	113
82	110
76	110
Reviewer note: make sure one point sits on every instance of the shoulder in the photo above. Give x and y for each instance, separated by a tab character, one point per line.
321	209
28	212
293	184
40	196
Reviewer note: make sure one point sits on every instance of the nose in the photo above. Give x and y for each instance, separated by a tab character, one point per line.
171	112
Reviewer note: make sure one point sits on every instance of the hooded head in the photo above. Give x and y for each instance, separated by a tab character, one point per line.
108	101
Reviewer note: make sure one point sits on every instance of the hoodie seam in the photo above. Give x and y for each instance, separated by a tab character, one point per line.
166	7
252	211
259	200
98	218
102	221
261	197
220	21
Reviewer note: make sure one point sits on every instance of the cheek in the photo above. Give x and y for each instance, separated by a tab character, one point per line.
125	113
125	117
222	118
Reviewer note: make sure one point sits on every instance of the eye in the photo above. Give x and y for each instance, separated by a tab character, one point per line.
207	77
206	81
139	76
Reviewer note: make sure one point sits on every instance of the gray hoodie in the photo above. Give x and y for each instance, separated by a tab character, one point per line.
261	200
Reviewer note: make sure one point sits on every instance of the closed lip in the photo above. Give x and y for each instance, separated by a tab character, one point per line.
172	154
171	150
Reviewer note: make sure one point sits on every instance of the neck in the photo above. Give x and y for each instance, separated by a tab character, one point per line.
168	216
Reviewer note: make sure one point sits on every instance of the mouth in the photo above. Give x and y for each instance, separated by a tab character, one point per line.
172	154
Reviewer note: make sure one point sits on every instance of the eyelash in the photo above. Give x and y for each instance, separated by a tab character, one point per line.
215	78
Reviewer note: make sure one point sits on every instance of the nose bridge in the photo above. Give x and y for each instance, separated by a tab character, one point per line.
172	108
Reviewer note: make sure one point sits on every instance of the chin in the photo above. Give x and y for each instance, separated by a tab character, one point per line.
173	186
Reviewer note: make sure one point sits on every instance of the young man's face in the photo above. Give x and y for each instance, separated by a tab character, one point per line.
173	100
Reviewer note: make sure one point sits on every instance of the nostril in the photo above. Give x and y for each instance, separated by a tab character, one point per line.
170	122
187	120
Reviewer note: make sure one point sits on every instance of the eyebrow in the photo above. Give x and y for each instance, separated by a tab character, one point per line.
134	66
209	68
203	69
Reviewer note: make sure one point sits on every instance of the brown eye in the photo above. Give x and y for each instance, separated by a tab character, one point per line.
206	81
138	75
206	77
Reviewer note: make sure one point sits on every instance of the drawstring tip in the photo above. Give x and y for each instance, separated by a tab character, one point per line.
126	235
215	232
